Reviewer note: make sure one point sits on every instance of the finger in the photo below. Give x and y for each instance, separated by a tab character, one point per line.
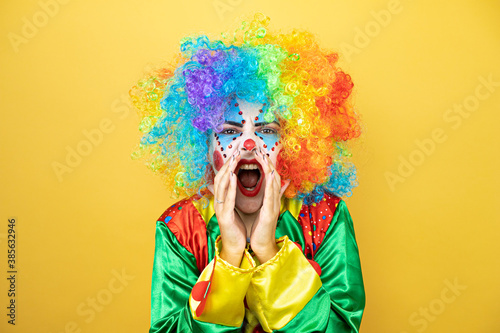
229	202
276	190
222	182
273	182
226	165
269	192
272	169
211	188
284	187
261	158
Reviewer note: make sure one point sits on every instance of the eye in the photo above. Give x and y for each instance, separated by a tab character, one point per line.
268	130
228	131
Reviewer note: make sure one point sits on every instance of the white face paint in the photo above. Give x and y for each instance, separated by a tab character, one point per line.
245	130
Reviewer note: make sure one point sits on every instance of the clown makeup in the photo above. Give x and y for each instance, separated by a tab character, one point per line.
245	130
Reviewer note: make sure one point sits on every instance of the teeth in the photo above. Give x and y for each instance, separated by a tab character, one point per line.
249	166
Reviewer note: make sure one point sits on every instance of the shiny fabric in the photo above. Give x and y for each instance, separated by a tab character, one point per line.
189	230
282	286
336	306
342	294
224	299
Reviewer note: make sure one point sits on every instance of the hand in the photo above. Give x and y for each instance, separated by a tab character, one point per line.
232	230
263	234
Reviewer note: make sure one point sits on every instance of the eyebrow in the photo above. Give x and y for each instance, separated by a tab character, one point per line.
264	123
234	123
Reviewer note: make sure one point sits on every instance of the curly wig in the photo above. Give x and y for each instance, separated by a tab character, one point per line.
181	104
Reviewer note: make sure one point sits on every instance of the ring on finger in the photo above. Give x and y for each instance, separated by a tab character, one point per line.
219	202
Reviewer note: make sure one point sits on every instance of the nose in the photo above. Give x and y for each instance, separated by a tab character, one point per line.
249	144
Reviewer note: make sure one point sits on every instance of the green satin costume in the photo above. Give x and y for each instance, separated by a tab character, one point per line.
314	284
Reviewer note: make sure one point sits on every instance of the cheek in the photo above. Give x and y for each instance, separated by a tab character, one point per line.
223	147
218	160
273	155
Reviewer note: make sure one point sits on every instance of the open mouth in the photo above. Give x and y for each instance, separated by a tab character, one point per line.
249	177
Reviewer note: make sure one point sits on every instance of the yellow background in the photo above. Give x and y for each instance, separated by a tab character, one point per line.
435	225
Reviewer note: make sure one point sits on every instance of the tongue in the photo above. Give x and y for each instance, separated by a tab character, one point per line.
248	178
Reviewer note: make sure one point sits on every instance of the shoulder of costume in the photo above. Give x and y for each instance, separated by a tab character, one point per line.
188	225
315	219
329	202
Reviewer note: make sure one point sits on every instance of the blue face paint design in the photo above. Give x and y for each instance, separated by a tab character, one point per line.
225	138
267	134
233	113
243	122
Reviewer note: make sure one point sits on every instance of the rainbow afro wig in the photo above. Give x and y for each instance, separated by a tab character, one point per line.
181	104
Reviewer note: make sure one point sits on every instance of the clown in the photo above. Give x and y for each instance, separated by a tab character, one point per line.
253	129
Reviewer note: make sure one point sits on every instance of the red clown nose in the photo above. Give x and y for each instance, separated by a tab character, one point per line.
249	144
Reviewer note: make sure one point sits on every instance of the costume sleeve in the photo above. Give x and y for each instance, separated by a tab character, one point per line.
183	300
290	293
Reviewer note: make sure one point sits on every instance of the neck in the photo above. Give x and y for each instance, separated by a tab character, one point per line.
248	219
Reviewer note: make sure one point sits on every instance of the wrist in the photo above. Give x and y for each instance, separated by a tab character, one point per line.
267	252
233	257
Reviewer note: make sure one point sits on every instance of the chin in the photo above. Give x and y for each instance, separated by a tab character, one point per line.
249	205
